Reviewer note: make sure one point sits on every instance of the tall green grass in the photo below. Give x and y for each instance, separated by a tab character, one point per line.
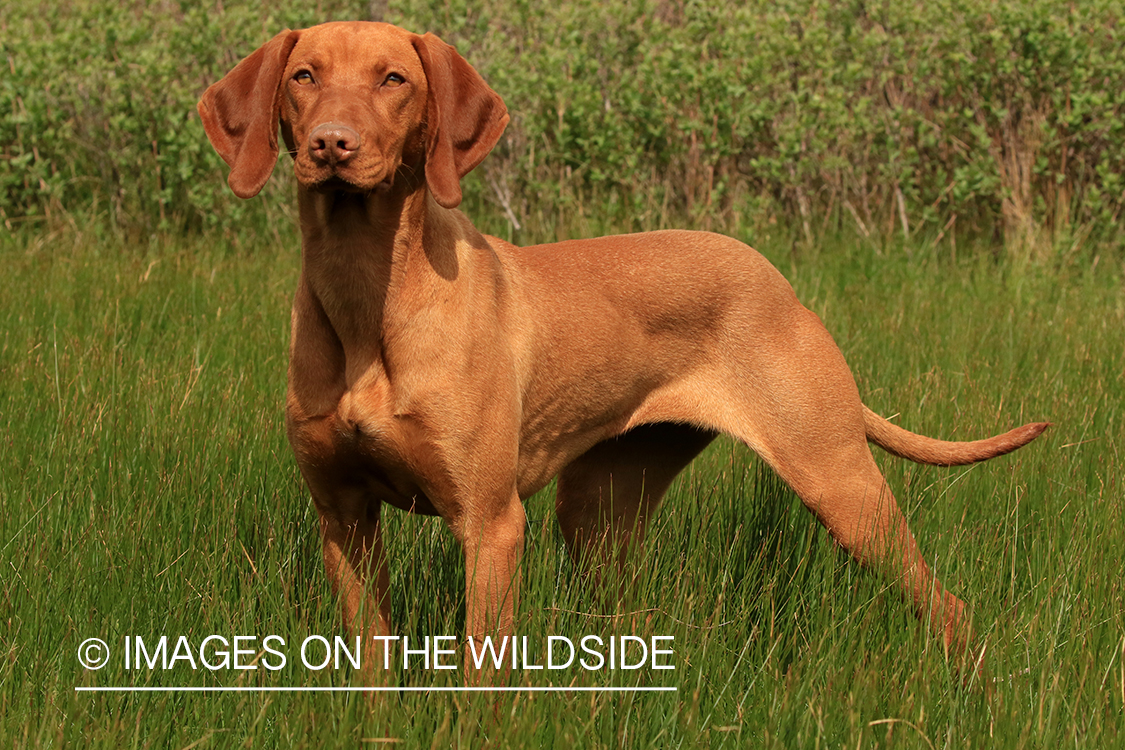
146	487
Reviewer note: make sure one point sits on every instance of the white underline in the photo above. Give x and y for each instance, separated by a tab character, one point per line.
411	689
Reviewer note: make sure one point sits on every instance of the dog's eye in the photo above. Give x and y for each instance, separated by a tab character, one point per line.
394	79
303	77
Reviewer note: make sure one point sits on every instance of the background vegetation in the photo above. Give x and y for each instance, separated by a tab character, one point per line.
950	175
952	118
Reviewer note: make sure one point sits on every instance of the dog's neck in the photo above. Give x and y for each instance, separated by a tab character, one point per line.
362	253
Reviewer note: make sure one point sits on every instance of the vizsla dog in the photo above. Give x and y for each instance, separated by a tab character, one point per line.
449	373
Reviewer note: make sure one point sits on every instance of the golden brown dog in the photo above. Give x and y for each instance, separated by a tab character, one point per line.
446	372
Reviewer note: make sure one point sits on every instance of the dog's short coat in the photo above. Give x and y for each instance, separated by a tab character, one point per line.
446	372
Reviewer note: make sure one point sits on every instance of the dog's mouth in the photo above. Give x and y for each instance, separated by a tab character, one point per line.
336	183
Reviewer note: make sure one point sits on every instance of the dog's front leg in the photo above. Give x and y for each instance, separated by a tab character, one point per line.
492	538
352	538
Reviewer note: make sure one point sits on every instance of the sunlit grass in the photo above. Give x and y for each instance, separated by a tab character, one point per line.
147	488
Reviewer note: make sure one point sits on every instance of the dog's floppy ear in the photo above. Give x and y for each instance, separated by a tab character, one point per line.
464	118
240	114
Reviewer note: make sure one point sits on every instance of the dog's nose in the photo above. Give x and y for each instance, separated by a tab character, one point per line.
333	142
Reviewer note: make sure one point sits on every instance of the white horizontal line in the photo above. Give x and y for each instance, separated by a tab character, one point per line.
408	689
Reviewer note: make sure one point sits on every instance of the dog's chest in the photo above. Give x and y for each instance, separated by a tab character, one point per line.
362	445
380	446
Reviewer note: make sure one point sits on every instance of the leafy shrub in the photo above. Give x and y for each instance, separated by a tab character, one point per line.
954	116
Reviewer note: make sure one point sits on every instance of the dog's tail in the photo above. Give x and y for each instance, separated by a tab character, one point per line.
927	450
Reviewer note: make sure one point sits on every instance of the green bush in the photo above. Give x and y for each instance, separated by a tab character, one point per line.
997	119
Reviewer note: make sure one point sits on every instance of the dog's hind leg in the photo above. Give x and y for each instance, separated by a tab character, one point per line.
804	417
853	501
606	495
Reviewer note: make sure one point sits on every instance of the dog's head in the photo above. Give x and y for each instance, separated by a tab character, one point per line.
356	103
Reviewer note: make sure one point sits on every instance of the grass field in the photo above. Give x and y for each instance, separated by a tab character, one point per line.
146	488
